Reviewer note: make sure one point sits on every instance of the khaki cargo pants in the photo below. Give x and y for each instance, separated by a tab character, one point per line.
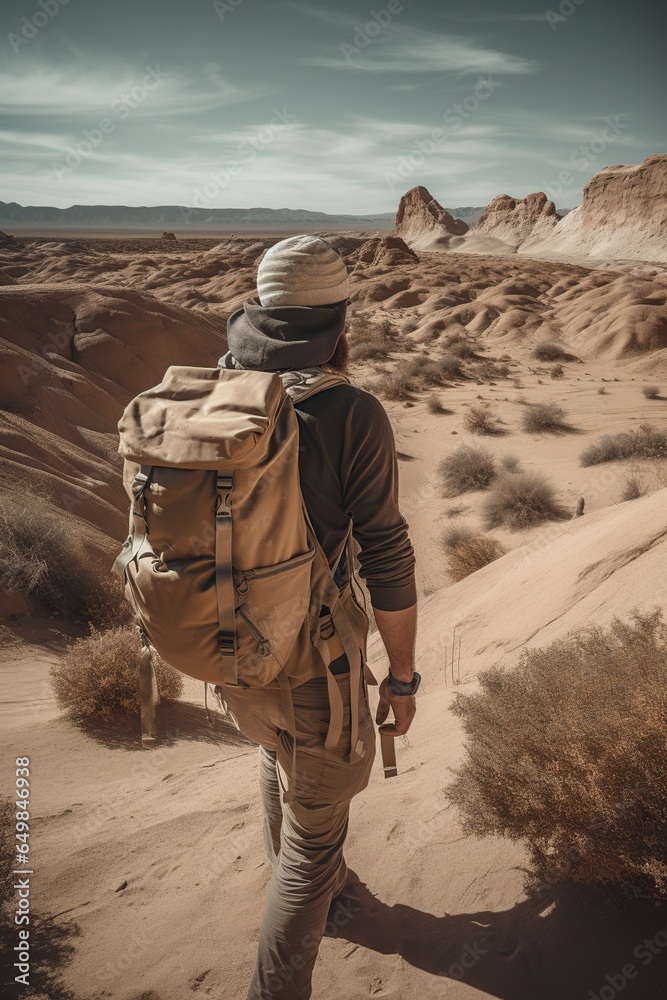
304	839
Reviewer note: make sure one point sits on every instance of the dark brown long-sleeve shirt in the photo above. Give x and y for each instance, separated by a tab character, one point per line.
348	469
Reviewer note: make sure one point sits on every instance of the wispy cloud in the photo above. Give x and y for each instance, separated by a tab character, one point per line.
529	17
67	95
404	49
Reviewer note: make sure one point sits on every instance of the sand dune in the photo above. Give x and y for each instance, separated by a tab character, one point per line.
72	358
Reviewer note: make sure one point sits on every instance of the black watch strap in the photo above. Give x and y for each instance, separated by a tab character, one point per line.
404	687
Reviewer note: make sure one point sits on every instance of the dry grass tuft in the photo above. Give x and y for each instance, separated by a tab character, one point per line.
467	552
566	753
99	675
520	500
651	391
466	470
435	406
552	352
480	419
371	340
633	487
460	346
645	442
42	559
510	463
544	418
557	372
416	375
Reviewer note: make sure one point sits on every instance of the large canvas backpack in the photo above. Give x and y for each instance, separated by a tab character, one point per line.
222	566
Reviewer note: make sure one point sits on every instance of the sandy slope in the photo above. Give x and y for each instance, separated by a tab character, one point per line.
181	825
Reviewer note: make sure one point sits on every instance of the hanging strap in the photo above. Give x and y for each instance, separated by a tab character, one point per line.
224	578
138	521
149	697
388	745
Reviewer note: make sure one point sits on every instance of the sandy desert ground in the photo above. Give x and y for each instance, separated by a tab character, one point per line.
149	867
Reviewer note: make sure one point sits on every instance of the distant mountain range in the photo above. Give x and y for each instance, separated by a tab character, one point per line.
181	218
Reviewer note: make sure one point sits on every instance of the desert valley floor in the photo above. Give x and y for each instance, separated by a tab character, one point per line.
149	867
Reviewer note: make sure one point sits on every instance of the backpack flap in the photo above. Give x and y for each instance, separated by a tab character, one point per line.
202	418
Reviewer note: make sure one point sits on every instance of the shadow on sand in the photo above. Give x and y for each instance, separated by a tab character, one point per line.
555	947
179	721
51	951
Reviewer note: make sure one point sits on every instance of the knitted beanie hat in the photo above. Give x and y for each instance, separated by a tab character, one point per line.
302	271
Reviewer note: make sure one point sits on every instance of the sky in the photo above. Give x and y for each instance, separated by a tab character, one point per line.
327	106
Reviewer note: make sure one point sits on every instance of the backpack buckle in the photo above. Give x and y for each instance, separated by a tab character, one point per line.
227	643
223	484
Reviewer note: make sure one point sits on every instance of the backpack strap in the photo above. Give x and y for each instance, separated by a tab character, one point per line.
138	522
307	382
224	578
149	696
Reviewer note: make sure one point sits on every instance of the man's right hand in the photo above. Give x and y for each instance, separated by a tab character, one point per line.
403	706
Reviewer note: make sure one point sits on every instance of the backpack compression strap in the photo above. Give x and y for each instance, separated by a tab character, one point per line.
224	578
149	696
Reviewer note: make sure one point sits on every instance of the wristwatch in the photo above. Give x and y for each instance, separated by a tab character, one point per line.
404	687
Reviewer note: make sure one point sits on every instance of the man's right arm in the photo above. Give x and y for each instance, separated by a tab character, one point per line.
370	477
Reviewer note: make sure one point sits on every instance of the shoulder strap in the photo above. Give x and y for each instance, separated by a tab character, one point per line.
307	382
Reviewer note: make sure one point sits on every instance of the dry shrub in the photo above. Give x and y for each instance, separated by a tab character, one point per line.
435	405
467	552
645	442
480	419
450	366
368	350
460	346
415	375
520	500
467	469
557	372
395	385
510	463
651	391
633	487
42	558
372	340
99	675
541	418
552	352
7	851
567	753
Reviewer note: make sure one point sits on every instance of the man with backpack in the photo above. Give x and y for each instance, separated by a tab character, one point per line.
286	647
347	465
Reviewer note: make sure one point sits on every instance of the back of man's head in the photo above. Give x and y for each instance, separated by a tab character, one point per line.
302	271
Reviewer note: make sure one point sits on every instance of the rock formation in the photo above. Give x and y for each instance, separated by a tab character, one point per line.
623	215
515	220
421	221
387	251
